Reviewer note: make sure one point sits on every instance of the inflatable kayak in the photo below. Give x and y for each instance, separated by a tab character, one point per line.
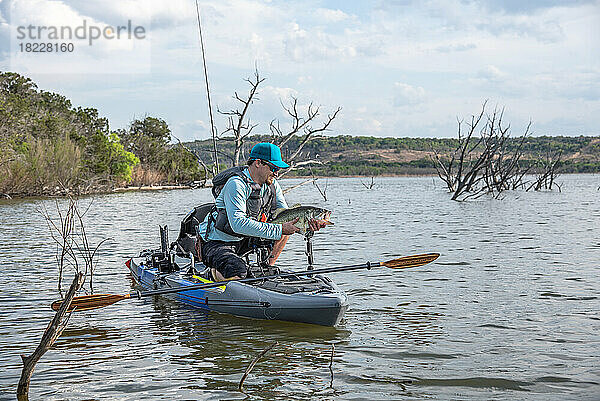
314	300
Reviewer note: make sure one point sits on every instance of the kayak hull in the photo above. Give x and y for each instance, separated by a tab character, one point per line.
324	306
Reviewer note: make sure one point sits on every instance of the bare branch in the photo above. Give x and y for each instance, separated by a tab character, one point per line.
53	331
369	185
254	361
239	125
298	123
323	191
309	132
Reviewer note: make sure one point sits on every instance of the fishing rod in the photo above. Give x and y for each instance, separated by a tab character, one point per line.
212	123
87	302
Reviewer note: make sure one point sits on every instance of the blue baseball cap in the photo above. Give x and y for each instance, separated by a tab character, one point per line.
268	152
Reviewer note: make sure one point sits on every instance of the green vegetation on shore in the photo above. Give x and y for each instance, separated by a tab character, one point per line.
47	146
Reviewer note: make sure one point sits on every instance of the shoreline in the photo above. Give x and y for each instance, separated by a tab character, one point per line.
306	177
147	188
155	188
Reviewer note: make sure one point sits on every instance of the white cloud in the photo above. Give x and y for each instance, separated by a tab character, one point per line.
329	15
304	80
163	14
304	46
491	73
366	125
575	84
192	130
459	16
34	21
407	95
455	47
543	29
279	93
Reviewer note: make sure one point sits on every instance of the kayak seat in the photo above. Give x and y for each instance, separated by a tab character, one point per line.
186	241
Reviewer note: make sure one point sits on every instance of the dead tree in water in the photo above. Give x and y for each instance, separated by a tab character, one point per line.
305	125
484	164
370	185
238	123
462	171
503	171
323	191
302	126
251	366
69	234
546	179
72	245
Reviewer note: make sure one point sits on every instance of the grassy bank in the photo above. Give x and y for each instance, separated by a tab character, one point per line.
50	147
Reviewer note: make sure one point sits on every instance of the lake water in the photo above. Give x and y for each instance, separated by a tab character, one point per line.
509	311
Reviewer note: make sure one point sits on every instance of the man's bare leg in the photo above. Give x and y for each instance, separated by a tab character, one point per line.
219	277
216	275
278	248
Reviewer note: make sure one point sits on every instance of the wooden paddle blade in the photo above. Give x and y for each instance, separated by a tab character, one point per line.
87	302
410	261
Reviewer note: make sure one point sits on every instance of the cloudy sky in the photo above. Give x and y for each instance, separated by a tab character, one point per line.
396	67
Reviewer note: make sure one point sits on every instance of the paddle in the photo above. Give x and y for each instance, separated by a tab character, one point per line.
87	302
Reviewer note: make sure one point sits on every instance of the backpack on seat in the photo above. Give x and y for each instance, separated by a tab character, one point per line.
186	241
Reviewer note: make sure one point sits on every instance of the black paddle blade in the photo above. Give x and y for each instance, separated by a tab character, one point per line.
410	261
87	302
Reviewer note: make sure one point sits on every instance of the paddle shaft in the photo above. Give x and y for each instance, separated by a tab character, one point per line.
404	262
87	302
367	265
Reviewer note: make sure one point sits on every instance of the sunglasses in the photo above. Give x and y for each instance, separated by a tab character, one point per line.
273	168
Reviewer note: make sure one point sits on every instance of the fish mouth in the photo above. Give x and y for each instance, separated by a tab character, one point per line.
325	218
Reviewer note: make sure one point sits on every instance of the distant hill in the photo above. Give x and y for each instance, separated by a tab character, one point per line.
367	156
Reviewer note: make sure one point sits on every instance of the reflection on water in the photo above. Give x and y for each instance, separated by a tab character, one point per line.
508	312
220	346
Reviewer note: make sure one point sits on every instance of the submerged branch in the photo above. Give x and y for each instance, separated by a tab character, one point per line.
53	331
254	361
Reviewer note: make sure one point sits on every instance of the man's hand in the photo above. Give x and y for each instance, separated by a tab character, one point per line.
316	225
288	228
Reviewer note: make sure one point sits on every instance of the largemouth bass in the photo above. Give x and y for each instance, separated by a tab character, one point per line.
304	214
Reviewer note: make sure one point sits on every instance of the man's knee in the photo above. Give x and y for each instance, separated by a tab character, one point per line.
235	268
224	259
230	265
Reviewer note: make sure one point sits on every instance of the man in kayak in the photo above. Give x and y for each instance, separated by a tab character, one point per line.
243	206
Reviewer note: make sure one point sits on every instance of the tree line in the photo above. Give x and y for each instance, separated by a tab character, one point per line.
47	146
345	155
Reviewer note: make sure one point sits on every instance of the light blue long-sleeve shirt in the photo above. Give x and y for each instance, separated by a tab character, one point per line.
233	199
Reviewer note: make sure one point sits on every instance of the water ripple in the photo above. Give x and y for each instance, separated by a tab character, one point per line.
509	311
